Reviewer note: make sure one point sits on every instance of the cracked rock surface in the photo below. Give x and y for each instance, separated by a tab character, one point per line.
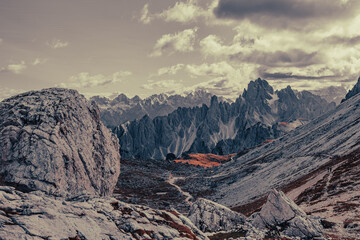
53	140
36	216
281	216
209	216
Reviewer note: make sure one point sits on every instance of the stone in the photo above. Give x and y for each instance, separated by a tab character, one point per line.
53	140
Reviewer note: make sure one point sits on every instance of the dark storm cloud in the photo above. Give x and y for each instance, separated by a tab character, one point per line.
289	75
290	58
268	12
349	41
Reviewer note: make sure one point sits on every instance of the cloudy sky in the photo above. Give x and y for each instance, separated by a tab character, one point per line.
144	47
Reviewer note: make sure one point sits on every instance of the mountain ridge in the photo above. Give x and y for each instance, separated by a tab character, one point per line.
221	127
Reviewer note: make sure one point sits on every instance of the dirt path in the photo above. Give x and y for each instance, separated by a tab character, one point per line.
172	180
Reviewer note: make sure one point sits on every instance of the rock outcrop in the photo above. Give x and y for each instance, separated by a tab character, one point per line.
355	90
53	140
36	216
280	216
209	216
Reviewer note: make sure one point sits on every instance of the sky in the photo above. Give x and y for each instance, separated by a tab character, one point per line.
146	47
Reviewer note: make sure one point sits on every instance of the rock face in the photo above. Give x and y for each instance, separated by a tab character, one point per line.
53	140
280	216
221	128
355	90
36	216
122	109
209	216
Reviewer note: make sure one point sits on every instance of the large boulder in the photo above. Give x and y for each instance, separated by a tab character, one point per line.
53	140
280	216
209	216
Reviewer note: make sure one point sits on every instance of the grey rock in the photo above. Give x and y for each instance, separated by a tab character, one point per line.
280	216
209	216
53	140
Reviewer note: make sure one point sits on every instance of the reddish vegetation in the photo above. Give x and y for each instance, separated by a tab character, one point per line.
183	230
250	208
283	124
269	140
205	160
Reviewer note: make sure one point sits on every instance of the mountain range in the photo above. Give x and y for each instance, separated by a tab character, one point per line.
258	115
122	109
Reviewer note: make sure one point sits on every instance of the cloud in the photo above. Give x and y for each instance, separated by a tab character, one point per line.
222	78
39	61
341	40
284	13
291	57
212	45
181	42
15	68
1	40
172	70
220	69
57	43
86	80
145	16
163	85
181	12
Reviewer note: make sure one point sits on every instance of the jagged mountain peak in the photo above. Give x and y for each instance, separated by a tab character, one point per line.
258	90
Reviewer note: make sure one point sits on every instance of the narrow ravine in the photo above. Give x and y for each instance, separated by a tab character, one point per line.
172	180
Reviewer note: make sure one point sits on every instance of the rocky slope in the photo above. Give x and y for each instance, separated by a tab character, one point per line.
221	128
35	216
209	216
286	159
122	109
53	140
316	165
